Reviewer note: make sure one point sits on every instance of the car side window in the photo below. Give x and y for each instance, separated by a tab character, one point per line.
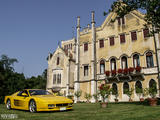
20	93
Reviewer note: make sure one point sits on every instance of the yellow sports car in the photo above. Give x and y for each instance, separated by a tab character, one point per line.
37	100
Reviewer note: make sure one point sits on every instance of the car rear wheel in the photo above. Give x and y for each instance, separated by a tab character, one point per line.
8	104
32	106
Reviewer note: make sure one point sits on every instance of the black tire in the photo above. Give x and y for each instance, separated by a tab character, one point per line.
32	106
8	104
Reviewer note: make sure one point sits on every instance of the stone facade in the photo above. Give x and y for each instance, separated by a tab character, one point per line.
107	54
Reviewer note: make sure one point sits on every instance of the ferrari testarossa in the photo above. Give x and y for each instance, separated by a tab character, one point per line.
36	100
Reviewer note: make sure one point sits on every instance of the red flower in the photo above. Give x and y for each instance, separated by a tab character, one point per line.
138	69
113	72
131	69
107	73
125	71
120	70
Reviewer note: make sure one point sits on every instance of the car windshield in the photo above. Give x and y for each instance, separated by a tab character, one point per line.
39	92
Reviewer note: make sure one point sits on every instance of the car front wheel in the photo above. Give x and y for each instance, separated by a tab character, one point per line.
8	104
32	106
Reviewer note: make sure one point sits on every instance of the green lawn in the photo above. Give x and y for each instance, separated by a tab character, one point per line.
84	111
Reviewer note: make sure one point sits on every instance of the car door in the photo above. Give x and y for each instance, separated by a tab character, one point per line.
20	101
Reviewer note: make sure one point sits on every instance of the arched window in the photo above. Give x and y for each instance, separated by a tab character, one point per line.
54	78
138	87
114	88
136	61
153	85
125	87
58	60
59	78
149	59
113	64
102	66
124	62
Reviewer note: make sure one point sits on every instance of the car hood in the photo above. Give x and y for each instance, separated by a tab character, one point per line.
55	99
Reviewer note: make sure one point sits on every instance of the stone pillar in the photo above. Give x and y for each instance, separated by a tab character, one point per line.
93	60
76	80
68	79
157	45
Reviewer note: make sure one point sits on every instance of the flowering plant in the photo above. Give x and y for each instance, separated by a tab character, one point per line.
113	72
131	69
107	73
120	71
104	91
125	71
138	69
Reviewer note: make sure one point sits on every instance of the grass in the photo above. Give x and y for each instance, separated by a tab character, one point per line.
121	111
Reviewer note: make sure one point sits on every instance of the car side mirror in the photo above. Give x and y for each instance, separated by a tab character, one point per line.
24	95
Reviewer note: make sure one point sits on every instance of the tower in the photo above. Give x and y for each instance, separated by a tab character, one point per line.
76	82
93	60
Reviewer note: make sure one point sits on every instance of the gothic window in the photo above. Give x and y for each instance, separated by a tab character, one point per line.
85	46
134	36
122	38
138	87
58	60
146	32
149	59
86	70
54	78
59	78
153	85
125	88
102	66
101	43
124	62
113	64
136	61
121	21
114	88
111	40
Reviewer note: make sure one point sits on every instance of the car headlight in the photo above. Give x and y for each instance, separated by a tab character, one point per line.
70	104
51	105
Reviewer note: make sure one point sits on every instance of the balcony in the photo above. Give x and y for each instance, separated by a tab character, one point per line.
128	74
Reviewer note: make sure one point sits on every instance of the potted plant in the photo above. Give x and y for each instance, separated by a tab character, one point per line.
78	95
113	72
88	97
104	91
125	71
120	71
96	96
152	93
107	73
131	69
116	97
115	92
129	94
139	92
138	69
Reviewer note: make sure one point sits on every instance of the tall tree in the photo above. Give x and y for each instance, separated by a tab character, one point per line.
152	8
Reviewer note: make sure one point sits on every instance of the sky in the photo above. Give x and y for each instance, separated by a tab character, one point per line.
30	29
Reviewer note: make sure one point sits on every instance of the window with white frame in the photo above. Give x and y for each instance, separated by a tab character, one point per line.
113	64
102	67
136	61
124	62
149	60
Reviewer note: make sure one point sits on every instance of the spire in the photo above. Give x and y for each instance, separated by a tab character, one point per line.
78	22
93	21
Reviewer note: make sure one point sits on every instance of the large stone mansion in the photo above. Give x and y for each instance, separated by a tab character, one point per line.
120	53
